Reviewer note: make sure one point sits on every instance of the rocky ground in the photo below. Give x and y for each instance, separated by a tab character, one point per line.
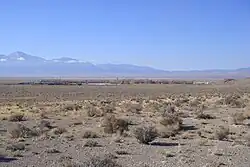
140	126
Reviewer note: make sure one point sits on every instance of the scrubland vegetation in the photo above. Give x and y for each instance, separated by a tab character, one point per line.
125	125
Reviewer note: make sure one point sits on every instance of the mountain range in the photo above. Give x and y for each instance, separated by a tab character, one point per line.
19	64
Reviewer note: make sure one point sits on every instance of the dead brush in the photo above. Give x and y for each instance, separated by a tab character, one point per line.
201	115
152	107
171	121
180	101
108	108
112	124
15	147
21	131
90	134
93	111
133	107
234	101
106	161
194	103
17	117
59	130
169	109
146	134
171	117
72	107
222	133
172	124
91	143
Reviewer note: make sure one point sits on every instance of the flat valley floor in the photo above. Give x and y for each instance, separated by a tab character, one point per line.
125	125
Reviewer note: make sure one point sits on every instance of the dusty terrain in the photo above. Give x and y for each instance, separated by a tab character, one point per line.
126	125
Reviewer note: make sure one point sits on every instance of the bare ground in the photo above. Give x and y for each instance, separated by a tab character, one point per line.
64	125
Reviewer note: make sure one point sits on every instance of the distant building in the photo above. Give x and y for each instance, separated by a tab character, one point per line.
201	83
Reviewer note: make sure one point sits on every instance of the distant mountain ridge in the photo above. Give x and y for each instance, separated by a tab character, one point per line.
19	64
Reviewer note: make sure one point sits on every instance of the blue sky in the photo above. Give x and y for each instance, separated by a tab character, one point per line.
166	34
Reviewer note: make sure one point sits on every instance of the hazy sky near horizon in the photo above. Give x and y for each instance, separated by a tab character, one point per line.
166	34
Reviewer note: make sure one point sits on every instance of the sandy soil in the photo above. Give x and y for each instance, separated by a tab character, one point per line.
65	125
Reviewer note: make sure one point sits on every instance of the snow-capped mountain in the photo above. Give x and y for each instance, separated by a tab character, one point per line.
20	56
3	58
22	64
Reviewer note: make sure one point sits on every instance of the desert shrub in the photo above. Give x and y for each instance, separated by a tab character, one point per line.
134	107
108	108
169	109
234	101
90	134
145	134
43	115
59	131
15	147
72	107
112	125
91	143
122	152
170	116
52	151
167	132
172	124
44	124
180	101
93	111
67	161
100	162
21	131
222	133
17	117
152	107
201	115
171	119
238	118
194	102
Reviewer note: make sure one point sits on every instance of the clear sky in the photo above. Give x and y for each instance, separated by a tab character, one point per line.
166	34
